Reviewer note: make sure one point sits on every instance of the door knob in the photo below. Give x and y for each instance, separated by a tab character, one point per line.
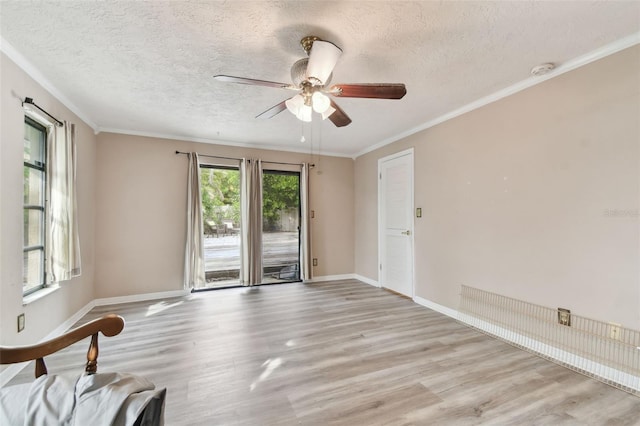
406	232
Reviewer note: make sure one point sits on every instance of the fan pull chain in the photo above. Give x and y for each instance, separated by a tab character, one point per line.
319	139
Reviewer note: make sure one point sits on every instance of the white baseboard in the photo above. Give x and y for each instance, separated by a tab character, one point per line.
367	280
323	278
436	307
12	370
140	297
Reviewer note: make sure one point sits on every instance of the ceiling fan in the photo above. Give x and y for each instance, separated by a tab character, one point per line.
311	77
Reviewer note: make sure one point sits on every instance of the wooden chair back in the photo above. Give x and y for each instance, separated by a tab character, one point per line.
109	325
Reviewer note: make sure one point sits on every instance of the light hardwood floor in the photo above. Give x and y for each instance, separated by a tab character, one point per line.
337	353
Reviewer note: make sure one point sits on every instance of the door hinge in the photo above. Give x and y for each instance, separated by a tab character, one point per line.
380	175
381	266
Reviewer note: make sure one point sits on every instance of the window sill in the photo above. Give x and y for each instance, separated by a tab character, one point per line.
26	300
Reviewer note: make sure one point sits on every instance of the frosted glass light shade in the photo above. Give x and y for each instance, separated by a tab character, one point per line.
294	104
304	113
320	102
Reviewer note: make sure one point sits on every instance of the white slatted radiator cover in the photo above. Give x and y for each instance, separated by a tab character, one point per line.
585	346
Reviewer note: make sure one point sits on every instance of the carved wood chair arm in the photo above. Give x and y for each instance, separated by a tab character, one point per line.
109	325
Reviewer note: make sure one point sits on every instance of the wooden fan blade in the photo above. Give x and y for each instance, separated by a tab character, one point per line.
253	82
339	117
375	90
274	110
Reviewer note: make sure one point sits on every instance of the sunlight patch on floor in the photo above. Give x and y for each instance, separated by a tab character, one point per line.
269	367
160	306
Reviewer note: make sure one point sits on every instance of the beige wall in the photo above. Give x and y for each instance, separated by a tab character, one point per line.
44	315
520	197
141	211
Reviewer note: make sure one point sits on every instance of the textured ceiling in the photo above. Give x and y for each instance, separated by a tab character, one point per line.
146	67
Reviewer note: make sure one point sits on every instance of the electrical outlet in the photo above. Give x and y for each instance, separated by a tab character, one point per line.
20	322
564	317
614	331
315	262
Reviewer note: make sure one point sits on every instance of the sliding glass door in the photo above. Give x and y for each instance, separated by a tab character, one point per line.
221	213
280	226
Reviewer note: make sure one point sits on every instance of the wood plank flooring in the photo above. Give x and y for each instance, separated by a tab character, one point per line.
340	353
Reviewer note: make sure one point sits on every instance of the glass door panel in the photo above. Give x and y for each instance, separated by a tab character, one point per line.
220	191
280	226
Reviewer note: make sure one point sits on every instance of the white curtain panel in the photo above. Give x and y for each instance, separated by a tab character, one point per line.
305	228
251	226
244	219
63	242
194	276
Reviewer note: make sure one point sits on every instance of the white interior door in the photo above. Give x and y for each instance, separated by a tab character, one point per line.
395	213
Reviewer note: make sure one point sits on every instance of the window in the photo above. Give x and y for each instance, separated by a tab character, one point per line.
35	175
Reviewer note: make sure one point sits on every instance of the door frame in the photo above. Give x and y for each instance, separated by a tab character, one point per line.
381	230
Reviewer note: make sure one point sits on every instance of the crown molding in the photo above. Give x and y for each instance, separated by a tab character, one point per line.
570	65
39	78
279	148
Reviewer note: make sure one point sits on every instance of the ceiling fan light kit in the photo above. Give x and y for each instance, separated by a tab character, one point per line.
310	77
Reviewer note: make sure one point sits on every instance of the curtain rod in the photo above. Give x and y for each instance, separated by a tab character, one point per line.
30	102
211	156
240	159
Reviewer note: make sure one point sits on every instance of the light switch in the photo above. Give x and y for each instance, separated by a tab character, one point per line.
20	322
